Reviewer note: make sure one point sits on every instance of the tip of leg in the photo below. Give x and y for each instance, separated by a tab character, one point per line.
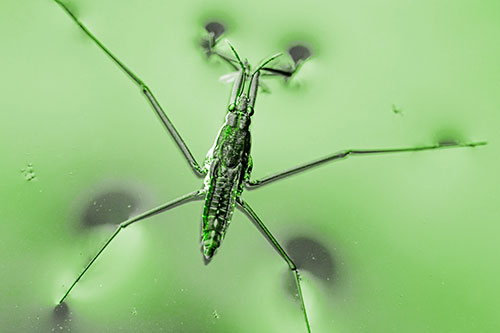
61	309
61	317
475	144
61	301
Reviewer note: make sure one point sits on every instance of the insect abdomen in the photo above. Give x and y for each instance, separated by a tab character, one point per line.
219	207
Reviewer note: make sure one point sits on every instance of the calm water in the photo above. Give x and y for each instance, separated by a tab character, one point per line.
401	243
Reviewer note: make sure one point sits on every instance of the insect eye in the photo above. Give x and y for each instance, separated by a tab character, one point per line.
231	107
250	110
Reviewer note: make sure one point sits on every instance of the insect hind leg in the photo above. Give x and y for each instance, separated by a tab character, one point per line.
196	195
245	207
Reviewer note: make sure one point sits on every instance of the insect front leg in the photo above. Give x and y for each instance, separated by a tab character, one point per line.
245	207
196	195
200	172
214	32
299	54
252	184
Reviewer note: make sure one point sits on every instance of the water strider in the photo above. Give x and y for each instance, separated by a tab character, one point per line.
228	165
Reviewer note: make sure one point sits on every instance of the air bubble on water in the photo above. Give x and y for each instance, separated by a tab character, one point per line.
29	172
397	110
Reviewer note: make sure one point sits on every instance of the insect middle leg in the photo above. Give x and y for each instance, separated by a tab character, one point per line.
245	207
200	172
252	184
196	195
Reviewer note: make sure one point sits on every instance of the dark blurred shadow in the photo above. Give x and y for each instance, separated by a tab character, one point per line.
299	53
311	256
449	136
216	28
61	320
448	142
111	207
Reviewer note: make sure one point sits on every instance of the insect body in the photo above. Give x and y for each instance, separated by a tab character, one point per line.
228	165
224	182
228	162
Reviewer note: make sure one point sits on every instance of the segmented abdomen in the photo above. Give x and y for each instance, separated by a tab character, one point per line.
219	207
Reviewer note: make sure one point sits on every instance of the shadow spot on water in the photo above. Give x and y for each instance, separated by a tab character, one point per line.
61	319
311	256
111	207
216	28
299	53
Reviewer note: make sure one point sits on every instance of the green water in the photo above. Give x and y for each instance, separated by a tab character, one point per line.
413	238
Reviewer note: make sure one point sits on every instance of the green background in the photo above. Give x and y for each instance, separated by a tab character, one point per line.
413	237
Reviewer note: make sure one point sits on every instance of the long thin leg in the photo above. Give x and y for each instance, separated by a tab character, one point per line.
280	72
147	92
175	203
245	207
230	61
208	45
234	64
210	50
343	154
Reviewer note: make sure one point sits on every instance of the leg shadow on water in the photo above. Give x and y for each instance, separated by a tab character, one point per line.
112	206
61	318
312	257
